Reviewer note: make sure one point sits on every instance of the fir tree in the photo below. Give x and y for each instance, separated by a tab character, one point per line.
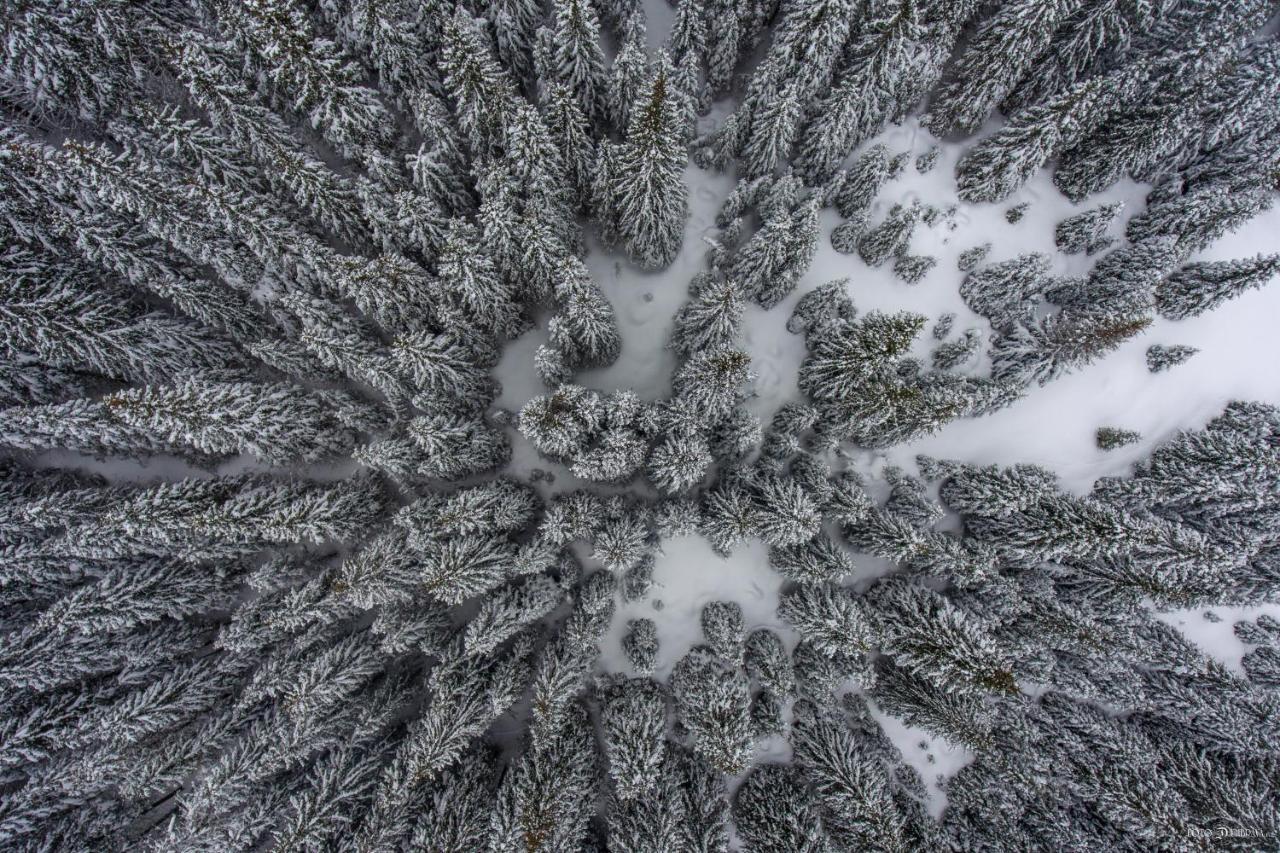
1005	292
1197	220
1109	438
773	812
890	237
575	59
710	319
860	185
969	259
1086	232
1005	48
641	186
634	718
1203	286
627	75
1060	343
953	354
876	60
713	701
1160	358
994	168
55	314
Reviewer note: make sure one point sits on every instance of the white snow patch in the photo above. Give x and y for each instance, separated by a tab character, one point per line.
686	576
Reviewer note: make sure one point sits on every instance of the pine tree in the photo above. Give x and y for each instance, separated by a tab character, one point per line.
1123	281
634	719
766	659
585	330
514	24
507	611
918	702
969	259
774	121
474	292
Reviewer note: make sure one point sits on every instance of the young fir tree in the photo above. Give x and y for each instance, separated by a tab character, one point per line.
890	237
1086	232
1160	358
1109	438
640	645
712	700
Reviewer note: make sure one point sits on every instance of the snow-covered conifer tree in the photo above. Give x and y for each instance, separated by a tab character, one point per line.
1203	286
712	700
642	189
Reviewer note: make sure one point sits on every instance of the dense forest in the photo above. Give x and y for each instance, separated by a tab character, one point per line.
268	581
